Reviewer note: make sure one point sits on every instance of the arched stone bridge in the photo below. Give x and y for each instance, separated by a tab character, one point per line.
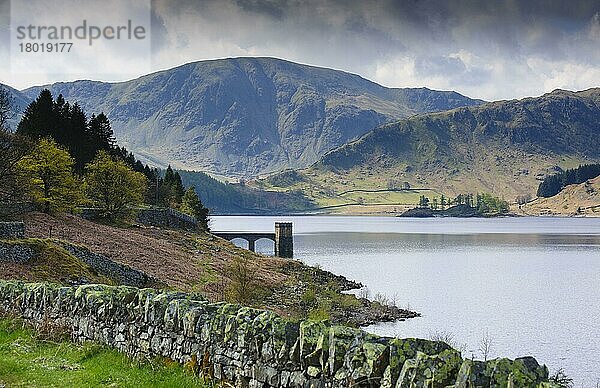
283	238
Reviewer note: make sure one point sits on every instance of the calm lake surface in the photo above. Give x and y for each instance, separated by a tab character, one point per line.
532	284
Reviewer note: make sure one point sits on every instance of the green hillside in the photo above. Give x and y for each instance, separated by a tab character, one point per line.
504	147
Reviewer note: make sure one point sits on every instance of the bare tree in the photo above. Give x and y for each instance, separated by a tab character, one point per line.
6	113
244	282
561	379
523	199
442	336
12	148
364	293
486	345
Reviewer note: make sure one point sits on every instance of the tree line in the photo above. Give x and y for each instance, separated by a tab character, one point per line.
553	184
59	159
484	203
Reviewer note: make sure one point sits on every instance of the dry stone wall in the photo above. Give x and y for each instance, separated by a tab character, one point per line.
168	218
24	250
120	273
12	230
254	348
15	253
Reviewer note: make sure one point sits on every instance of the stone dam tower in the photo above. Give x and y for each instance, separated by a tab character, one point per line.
284	241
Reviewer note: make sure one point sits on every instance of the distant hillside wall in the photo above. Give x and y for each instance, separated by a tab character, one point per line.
168	218
15	253
161	217
11	230
254	348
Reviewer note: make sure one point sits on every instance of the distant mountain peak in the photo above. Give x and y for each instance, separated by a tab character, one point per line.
247	116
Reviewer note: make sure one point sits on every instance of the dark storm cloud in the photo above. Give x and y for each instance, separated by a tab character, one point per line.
486	49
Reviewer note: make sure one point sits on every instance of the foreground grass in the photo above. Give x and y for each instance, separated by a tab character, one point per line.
28	360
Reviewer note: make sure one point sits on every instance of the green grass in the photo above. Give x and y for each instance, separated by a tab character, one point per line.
327	189
27	360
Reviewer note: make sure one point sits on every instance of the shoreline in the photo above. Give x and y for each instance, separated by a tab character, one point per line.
317	291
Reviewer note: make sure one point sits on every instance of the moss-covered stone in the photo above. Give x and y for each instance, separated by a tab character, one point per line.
256	347
314	340
438	370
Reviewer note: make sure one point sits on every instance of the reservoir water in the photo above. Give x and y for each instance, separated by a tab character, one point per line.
531	285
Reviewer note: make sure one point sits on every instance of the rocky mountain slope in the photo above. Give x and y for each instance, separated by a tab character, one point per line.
502	147
246	116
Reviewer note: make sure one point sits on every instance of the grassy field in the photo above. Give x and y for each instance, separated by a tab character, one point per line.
355	192
362	189
28	359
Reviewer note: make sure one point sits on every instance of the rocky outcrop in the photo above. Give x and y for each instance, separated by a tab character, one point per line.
255	348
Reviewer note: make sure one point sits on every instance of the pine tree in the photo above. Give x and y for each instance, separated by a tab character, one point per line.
423	202
192	205
39	117
79	143
101	133
178	188
172	190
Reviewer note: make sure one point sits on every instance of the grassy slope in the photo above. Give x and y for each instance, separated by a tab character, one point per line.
182	260
503	147
51	263
26	360
580	199
200	262
359	191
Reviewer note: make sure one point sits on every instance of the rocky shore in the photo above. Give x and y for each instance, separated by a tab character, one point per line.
314	292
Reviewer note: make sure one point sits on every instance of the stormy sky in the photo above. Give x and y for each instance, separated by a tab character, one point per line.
484	49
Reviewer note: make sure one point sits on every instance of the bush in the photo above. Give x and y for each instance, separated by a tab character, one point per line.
243	286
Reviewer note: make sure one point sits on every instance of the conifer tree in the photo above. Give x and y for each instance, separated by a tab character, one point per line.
39	117
172	190
79	141
100	133
192	205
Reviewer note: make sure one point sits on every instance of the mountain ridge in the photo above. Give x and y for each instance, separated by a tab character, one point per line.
503	147
246	116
